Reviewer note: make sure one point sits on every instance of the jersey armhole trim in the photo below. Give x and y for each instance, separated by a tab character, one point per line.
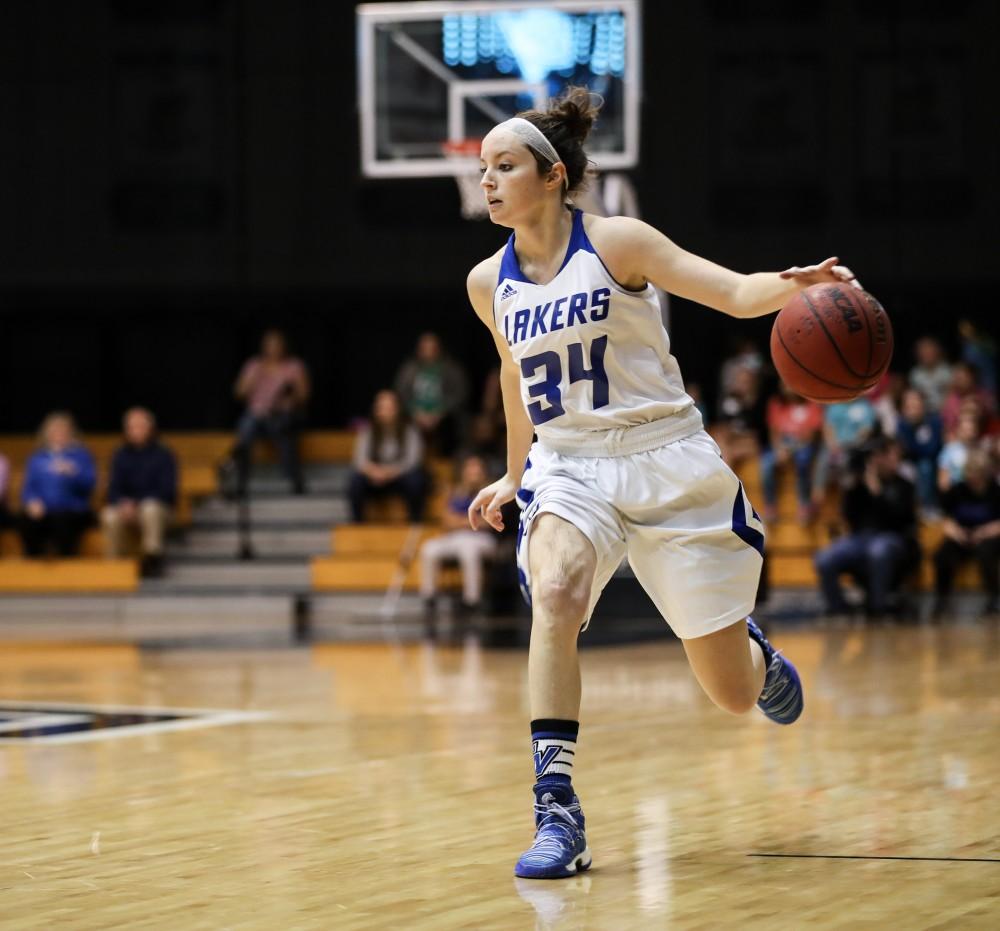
589	246
617	283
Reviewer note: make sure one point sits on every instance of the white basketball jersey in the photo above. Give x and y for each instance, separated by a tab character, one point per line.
593	355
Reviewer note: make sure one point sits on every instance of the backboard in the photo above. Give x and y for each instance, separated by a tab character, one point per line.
434	73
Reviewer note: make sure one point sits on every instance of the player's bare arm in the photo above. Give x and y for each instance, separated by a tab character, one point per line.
636	253
485	507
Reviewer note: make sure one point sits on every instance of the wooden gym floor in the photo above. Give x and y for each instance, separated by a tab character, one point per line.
389	788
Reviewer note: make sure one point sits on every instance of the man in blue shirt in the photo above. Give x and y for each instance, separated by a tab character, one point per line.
142	491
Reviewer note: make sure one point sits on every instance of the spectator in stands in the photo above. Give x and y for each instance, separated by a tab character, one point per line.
932	373
951	462
971	530
964	391
141	492
794	430
919	435
746	356
980	350
5	518
879	509
847	427
433	390
488	430
887	399
58	482
387	460
275	387
459	541
741	427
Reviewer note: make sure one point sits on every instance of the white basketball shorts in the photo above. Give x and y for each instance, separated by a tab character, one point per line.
678	512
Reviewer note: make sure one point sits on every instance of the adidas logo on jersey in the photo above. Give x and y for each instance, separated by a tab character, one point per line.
508	292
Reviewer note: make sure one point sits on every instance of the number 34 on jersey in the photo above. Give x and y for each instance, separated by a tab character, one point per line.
549	386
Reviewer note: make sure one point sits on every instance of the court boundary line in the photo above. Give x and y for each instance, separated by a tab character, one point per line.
861	856
186	719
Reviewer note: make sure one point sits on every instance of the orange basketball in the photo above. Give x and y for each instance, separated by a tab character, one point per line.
831	342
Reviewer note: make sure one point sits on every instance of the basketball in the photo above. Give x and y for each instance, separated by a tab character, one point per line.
831	342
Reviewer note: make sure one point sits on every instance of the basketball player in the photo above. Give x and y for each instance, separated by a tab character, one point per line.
622	464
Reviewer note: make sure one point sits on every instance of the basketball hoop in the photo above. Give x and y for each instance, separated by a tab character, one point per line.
463	155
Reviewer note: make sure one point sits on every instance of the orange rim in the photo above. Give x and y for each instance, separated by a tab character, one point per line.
457	148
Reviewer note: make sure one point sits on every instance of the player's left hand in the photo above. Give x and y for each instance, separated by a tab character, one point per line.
830	271
485	508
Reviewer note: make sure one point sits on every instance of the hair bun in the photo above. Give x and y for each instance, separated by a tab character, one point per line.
566	124
576	110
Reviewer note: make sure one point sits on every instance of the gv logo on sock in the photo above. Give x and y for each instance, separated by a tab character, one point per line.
544	758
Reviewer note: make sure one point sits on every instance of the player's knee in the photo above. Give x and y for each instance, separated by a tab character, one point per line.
734	700
561	597
882	551
825	560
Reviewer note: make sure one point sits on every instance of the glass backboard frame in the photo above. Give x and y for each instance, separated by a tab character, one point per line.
371	16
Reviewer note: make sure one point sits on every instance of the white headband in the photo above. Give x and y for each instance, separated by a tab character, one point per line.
532	137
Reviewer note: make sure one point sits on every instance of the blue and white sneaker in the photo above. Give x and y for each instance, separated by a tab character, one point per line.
560	847
781	698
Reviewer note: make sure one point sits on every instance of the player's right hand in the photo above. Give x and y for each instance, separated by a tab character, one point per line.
485	508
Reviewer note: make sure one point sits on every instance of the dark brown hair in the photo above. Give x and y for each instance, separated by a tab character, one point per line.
566	124
380	431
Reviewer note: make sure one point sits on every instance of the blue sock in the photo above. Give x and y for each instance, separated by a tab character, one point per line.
553	743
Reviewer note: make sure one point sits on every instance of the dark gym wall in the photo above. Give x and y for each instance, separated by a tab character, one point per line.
179	174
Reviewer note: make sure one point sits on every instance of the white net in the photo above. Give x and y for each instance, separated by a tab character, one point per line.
464	155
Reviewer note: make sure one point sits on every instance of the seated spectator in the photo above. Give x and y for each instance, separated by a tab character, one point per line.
488	430
964	392
847	427
741	427
433	389
887	399
951	462
931	376
971	530
459	541
879	509
794	429
387	460
55	498
275	387
746	356
919	435
141	492
5	518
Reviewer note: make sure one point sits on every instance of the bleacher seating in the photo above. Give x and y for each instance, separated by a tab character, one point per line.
82	574
365	558
791	546
91	544
198	454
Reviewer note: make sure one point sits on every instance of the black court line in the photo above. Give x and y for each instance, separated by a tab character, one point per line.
848	856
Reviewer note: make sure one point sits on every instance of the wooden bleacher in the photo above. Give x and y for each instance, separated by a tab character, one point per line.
198	454
365	558
791	547
79	575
